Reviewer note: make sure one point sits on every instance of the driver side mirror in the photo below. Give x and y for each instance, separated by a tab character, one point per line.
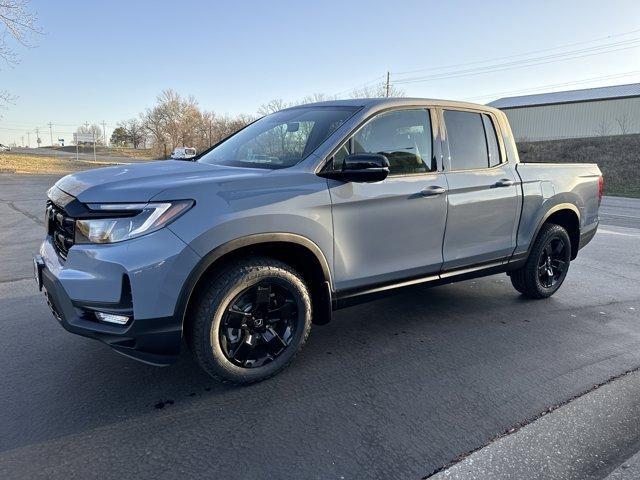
361	167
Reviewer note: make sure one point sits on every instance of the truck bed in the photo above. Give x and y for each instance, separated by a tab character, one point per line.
546	186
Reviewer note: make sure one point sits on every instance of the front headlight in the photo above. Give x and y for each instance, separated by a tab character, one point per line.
126	221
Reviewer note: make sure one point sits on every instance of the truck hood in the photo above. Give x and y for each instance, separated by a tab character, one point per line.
142	181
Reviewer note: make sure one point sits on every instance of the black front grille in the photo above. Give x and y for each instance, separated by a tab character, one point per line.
61	227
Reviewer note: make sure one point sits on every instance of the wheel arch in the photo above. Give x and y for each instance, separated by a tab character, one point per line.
295	250
567	216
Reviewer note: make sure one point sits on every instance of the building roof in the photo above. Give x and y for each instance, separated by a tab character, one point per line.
570	96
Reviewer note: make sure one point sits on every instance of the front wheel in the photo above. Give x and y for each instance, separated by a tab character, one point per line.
252	319
547	265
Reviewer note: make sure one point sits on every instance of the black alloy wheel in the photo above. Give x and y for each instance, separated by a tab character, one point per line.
259	324
547	264
553	261
250	320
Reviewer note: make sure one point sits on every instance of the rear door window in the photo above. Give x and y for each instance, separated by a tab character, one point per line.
467	141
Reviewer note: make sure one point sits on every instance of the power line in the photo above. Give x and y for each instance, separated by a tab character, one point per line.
555	85
530	52
378	79
635	43
522	63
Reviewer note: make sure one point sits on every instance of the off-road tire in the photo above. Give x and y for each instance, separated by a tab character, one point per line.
526	279
214	299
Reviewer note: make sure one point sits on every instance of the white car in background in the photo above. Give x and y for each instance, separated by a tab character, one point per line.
183	153
4	148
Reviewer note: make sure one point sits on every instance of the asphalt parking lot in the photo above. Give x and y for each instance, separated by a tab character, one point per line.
392	389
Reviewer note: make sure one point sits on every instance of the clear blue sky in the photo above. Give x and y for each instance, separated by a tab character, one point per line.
107	61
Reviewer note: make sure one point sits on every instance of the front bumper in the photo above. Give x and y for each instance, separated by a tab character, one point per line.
142	278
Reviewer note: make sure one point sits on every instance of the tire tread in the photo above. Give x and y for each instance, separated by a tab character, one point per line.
214	291
524	280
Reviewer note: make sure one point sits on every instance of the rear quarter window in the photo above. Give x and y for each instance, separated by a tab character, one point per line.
492	141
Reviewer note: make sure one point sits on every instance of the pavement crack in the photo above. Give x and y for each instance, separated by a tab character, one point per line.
11	280
30	216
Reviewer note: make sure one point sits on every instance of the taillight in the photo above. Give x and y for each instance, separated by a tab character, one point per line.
600	188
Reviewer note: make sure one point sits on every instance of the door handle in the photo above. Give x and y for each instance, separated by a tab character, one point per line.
505	182
432	191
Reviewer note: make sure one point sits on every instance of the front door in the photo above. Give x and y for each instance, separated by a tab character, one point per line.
482	201
390	230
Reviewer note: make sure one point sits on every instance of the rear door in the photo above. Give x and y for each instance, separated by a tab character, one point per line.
482	200
393	229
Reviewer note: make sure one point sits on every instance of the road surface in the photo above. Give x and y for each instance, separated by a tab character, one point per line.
393	389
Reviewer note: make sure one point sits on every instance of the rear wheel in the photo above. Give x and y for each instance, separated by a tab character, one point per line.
252	319
547	265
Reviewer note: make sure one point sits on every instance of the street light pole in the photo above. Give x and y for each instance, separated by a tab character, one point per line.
51	133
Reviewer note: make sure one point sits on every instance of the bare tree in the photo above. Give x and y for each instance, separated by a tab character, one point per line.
154	122
177	121
602	130
624	123
224	126
273	106
205	130
317	97
19	24
376	91
6	97
278	103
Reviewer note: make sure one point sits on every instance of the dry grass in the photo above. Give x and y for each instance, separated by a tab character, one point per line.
617	156
142	153
40	164
131	153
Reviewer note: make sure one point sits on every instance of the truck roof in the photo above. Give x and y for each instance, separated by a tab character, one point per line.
396	102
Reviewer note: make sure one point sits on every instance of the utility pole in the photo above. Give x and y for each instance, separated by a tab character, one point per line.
388	84
51	133
104	132
28	139
86	124
37	138
22	141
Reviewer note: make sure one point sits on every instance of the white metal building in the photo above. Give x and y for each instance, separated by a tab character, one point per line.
589	112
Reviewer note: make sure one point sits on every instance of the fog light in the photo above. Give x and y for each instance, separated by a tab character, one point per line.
111	318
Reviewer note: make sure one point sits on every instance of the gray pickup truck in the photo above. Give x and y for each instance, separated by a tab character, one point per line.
302	212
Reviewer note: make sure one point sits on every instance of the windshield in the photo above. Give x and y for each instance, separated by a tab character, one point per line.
281	139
